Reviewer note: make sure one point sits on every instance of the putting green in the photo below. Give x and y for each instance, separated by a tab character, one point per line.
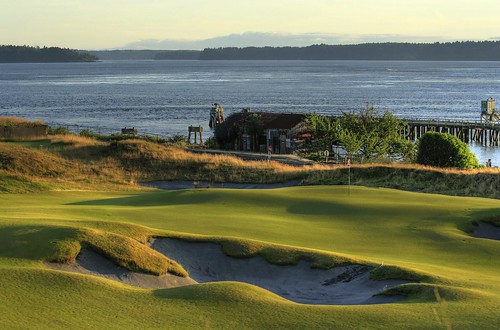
416	231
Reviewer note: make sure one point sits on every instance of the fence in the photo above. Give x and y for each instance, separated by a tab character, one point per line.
77	129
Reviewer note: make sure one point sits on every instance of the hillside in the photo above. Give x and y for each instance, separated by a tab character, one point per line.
82	245
74	162
450	51
26	54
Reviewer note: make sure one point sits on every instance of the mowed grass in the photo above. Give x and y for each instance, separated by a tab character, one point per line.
419	232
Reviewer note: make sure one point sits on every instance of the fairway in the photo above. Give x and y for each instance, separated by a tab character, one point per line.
419	233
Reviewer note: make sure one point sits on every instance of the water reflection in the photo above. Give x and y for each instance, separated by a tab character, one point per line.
483	153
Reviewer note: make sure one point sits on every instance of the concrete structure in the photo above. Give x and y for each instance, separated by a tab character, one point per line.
23	132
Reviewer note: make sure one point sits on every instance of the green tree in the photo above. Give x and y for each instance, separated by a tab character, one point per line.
254	127
323	129
445	150
370	134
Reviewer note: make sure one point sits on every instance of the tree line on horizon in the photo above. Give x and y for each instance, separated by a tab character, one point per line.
28	54
449	51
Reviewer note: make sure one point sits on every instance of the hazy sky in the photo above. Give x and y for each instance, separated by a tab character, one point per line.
97	24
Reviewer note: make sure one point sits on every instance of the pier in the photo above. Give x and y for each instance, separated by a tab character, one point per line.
484	133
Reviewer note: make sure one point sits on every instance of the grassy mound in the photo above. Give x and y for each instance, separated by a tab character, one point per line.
74	162
63	244
480	183
413	235
18	122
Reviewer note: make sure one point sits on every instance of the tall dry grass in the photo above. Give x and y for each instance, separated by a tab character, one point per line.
16	121
74	161
483	182
150	161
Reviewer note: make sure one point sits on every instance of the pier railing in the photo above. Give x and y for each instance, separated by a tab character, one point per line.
487	134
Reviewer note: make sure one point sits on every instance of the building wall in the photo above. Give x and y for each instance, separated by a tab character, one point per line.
19	132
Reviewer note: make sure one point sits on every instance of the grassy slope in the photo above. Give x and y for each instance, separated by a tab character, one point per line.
417	231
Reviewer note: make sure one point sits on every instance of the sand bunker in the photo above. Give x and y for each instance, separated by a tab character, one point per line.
206	262
91	263
486	230
349	285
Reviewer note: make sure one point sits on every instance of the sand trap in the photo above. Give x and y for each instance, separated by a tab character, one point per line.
486	230
176	185
91	263
350	285
206	262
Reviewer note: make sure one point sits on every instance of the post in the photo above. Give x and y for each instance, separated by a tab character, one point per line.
349	176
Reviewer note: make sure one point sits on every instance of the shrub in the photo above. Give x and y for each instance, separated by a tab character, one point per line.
59	131
445	150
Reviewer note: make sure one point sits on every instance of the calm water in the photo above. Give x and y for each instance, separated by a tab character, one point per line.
165	97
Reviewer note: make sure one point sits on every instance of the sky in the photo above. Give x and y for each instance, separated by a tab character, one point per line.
109	24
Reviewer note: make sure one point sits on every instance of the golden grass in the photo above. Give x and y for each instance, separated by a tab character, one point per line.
75	141
16	121
74	162
482	170
129	253
124	244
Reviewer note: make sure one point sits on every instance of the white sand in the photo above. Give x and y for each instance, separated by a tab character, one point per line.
91	263
349	285
206	262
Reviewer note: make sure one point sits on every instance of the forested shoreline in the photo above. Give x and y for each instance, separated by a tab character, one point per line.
28	54
450	51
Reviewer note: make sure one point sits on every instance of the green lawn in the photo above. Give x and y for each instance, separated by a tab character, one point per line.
421	232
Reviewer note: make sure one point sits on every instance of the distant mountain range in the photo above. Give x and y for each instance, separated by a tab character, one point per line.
265	39
448	51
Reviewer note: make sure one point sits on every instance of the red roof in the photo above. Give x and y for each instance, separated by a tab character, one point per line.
269	120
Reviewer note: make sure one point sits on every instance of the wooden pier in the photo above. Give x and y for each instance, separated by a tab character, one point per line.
487	134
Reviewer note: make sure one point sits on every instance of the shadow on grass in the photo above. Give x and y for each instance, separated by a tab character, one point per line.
483	224
168	198
32	242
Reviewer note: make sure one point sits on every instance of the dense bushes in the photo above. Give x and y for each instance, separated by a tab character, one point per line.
445	150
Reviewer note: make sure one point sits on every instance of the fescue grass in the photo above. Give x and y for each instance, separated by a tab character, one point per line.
73	162
62	244
403	235
414	236
17	122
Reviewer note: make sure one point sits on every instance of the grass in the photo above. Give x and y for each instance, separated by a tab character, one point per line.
68	162
412	234
18	122
66	193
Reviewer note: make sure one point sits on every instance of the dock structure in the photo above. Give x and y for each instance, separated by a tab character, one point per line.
487	134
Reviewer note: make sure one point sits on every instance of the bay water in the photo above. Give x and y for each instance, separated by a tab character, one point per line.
165	97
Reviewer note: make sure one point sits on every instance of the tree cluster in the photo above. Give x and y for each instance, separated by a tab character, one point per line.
366	135
26	54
